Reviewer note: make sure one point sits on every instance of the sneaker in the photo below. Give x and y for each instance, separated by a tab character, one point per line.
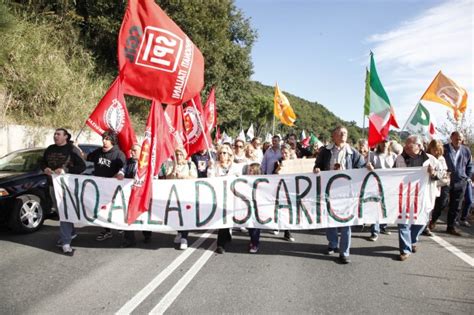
103	236
453	231
427	232
184	244
243	230
373	238
404	256
414	248
331	251
253	249
344	260
67	250
385	232
177	239
289	237
275	232
59	243
464	223
220	250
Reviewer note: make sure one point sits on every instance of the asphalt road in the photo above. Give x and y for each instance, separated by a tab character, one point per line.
283	277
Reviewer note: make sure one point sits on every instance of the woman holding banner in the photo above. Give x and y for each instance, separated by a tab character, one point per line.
180	168
224	166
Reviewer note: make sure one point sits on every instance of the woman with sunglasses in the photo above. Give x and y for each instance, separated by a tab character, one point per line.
224	166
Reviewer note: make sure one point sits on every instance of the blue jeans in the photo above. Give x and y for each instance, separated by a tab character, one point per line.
408	236
375	228
66	230
254	236
333	239
467	201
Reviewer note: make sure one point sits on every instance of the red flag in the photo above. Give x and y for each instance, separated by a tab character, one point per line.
218	134
193	126
174	120
111	114
157	60
156	148
210	111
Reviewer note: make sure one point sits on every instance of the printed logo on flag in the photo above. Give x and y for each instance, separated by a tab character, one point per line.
451	94
114	116
160	49
191	124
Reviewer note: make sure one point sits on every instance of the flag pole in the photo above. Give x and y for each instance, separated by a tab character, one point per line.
80	131
201	125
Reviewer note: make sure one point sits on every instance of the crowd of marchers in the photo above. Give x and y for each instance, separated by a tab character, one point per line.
449	165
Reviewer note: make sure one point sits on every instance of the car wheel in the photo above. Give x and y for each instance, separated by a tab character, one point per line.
27	215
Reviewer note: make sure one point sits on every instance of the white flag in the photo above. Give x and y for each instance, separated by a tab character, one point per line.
250	133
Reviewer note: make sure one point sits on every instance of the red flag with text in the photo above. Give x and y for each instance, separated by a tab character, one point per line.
210	111
193	126
111	114
156	148
157	60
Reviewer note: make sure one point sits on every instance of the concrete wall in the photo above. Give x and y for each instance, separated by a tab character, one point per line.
15	137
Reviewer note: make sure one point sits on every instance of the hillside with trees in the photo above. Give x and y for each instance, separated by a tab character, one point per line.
58	58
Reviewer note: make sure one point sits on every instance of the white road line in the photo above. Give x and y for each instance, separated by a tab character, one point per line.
176	290
150	287
456	251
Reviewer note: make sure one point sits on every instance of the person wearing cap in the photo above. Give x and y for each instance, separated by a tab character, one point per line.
108	161
180	168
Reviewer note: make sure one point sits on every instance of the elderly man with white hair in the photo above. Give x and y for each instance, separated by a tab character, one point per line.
413	155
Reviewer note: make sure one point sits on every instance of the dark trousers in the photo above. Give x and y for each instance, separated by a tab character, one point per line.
440	203
254	236
467	201
130	235
223	237
456	196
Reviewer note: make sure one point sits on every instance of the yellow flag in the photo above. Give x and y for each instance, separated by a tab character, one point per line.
445	91
282	108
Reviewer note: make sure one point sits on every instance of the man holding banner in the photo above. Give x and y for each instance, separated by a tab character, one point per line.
413	156
339	155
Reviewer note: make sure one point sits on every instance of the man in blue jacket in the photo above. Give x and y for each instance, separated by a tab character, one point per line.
338	155
458	159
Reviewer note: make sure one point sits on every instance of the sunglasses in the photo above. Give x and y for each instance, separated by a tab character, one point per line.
223	152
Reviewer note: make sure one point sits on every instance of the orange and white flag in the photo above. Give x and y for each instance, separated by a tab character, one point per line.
446	92
282	108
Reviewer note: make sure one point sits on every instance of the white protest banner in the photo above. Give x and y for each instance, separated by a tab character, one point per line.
297	201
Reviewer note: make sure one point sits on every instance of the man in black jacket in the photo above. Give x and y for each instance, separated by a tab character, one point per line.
108	161
60	158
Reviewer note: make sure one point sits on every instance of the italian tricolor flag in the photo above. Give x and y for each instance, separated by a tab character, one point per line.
381	115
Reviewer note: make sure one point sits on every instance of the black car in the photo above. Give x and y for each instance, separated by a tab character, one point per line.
25	200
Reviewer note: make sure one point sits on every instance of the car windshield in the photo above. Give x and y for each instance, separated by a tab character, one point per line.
25	161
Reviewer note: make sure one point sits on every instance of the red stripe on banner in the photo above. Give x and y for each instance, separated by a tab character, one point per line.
407	212
400	200
417	190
